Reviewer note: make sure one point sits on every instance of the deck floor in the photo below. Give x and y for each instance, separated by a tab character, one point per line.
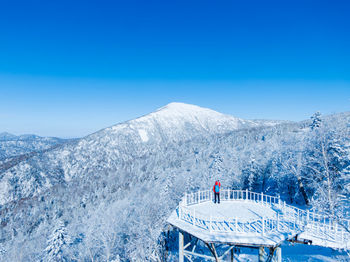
244	211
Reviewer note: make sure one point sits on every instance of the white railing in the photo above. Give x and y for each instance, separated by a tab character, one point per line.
288	219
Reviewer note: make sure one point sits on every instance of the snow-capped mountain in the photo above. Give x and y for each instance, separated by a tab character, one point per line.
113	190
175	123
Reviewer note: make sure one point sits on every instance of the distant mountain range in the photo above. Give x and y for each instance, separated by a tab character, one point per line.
12	145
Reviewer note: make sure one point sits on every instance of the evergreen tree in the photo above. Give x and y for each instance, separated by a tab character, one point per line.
2	250
56	243
251	174
316	120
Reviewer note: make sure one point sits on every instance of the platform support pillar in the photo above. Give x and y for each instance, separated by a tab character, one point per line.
261	254
214	253
278	254
232	255
181	247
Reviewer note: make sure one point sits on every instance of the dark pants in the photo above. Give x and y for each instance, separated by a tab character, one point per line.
217	196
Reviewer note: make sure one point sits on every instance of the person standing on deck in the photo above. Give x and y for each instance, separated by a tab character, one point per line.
216	190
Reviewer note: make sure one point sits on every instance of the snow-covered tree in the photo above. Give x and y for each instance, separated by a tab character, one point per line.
2	249
56	243
327	163
251	174
316	120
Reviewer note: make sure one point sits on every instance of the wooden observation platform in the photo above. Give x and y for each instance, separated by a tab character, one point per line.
245	219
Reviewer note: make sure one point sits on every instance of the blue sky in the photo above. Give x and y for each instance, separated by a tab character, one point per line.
69	68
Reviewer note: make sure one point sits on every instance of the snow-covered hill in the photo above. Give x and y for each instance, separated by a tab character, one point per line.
113	190
12	145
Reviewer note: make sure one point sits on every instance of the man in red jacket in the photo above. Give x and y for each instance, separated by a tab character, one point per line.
216	189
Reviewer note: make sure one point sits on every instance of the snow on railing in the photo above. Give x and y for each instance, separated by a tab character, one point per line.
289	219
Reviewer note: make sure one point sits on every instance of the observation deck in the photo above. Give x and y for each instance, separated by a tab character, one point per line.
250	219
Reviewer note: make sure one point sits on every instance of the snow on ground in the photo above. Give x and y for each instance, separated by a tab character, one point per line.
300	252
244	211
290	253
296	253
326	242
143	135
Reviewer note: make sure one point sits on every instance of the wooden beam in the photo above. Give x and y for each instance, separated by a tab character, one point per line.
188	257
181	247
261	254
187	245
215	254
213	251
199	255
226	252
278	254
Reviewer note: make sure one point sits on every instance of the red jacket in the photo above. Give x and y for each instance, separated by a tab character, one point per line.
216	183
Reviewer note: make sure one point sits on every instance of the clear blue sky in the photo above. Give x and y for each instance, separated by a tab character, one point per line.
69	68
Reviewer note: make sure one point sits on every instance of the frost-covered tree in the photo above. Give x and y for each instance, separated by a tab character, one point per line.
2	249
327	163
316	120
251	174
56	243
293	163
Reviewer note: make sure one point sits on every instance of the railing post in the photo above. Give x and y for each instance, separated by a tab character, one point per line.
308	217
298	216
246	195
210	219
263	225
336	228
278	222
262	197
194	217
236	226
294	223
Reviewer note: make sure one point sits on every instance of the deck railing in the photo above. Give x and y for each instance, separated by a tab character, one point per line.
288	219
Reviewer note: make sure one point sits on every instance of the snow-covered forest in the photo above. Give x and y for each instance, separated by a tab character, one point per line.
14	149
106	197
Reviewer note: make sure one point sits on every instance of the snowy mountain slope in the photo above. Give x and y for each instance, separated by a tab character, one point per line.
12	145
173	123
7	136
115	188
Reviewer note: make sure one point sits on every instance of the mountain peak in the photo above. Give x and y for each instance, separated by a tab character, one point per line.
179	106
189	111
179	120
183	107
